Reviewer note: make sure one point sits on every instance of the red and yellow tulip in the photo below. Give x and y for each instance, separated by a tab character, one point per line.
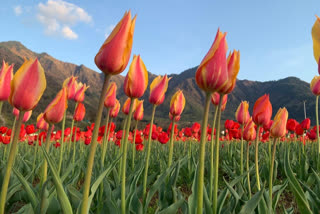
262	110
79	113
158	88
6	74
115	109
110	99
316	40
242	113
126	106
80	92
315	85
279	125
71	84
138	113
177	103
55	110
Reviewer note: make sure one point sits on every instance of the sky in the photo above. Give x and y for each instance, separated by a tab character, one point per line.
274	37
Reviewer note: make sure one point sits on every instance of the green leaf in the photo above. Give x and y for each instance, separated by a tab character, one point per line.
173	208
279	189
251	205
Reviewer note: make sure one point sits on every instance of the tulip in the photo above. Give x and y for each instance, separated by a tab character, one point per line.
278	129
233	70
262	110
136	80
126	106
242	114
315	85
71	84
305	124
27	86
291	124
316	41
158	88
26	115
175	118
55	110
138	114
115	110
212	73
177	103
79	112
215	97
79	95
113	56
110	99
41	123
6	74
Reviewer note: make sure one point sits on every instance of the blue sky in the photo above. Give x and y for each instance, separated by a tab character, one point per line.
274	37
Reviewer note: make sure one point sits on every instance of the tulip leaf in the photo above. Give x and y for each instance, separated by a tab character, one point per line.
251	205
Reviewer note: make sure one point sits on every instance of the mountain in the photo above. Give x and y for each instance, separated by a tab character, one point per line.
290	92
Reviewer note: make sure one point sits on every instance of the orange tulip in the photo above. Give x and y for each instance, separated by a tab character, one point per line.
110	99
79	95
71	84
113	56
212	73
262	110
316	41
27	86
41	123
79	113
115	109
136	81
26	115
158	88
315	85
177	103
233	70
215	98
138	113
6	74
242	113
279	125
249	132
55	110
126	106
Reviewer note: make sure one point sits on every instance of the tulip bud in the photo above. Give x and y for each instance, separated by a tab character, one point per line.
110	99
6	74
126	106
279	126
138	114
27	86
177	103
158	88
113	56
262	110
136	81
176	118
79	113
212	73
233	70
79	95
249	132
315	85
115	109
242	113
26	115
71	84
215	98
55	110
41	123
316	41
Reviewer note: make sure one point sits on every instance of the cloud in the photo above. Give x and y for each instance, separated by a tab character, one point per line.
109	30
17	10
57	18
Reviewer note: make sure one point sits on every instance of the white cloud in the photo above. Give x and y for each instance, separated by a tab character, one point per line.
57	17
17	10
68	33
109	30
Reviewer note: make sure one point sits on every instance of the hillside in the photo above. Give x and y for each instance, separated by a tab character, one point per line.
289	92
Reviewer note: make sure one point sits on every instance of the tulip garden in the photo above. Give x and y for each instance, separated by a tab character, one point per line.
256	162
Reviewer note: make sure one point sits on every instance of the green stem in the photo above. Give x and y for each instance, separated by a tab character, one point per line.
93	147
45	163
271	168
104	146
121	147
241	150
1	104
74	145
35	155
216	160
134	145
171	142
124	159
145	177
248	169
202	154
256	158
10	161
62	142
212	153
317	120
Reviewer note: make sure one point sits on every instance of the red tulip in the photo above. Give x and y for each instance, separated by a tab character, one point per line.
163	138
249	133
6	74
262	110
27	86
158	88
291	124
139	147
79	113
215	98
299	130
79	95
212	73
113	56
242	113
55	110
71	84
136	80
305	124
